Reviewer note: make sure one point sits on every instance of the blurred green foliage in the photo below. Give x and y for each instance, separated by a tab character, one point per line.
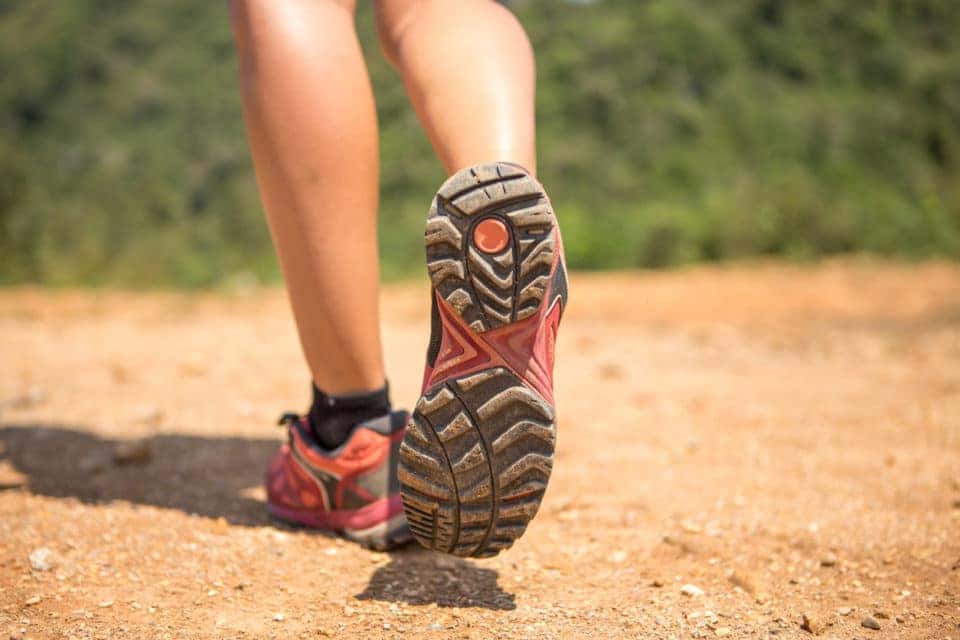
670	131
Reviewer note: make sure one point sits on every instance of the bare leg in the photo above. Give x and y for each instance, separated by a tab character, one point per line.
498	286
312	127
469	70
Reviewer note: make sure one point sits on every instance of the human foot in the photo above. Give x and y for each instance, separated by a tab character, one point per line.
351	490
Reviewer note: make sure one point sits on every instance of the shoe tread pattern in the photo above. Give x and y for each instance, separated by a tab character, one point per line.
475	463
489	291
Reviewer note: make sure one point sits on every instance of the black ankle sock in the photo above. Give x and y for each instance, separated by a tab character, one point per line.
332	418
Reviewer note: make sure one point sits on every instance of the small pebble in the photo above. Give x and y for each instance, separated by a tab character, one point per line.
870	623
744	581
829	560
691	590
691	527
106	603
685	545
279	617
41	559
149	415
845	611
812	624
722	632
32	601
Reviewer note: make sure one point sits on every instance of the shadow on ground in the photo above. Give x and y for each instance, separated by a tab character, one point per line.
217	478
212	477
420	577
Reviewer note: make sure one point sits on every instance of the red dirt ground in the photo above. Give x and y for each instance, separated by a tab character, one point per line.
785	439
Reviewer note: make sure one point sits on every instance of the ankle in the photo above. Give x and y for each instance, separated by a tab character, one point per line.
333	417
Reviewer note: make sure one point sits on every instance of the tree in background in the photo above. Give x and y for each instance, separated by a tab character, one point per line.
670	131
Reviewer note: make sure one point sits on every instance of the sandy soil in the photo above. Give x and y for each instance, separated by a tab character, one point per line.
785	440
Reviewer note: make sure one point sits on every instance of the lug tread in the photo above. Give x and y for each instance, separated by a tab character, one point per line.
496	439
489	291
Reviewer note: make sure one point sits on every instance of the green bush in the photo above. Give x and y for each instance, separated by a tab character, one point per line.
670	131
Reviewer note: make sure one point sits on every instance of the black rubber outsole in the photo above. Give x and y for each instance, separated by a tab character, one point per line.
478	451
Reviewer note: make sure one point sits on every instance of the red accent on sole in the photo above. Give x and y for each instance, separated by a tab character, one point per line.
520	347
525	347
491	236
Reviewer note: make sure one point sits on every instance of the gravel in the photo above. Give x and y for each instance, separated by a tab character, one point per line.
870	623
724	362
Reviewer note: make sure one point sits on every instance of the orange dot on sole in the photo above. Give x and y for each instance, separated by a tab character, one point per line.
491	236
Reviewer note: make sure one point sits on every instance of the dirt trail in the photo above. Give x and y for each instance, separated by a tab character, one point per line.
786	440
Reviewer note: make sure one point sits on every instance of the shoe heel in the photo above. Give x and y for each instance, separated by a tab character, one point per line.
475	463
